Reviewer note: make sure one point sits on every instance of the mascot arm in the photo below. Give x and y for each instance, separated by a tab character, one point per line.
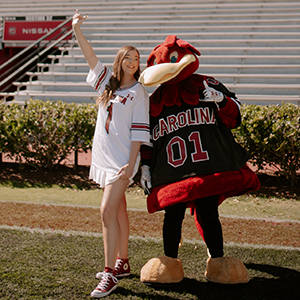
229	107
146	159
146	154
230	113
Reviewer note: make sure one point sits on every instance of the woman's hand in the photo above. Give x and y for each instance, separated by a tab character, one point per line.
125	172
84	45
77	19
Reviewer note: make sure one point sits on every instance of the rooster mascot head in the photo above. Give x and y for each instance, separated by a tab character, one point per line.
172	64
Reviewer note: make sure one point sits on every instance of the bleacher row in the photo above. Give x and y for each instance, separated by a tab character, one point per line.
253	47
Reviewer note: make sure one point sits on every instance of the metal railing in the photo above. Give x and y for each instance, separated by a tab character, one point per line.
1	28
15	68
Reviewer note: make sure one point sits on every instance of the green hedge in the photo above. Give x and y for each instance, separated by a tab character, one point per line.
272	136
45	133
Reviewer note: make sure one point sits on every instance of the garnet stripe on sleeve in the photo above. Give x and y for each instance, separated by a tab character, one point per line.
100	78
141	127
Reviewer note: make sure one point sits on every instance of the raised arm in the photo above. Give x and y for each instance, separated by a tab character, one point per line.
84	45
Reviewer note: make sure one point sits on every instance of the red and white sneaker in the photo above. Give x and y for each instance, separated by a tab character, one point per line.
122	269
107	284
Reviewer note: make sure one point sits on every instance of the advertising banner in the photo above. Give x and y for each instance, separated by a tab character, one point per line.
30	28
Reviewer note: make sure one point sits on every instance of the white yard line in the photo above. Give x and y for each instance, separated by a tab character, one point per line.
156	240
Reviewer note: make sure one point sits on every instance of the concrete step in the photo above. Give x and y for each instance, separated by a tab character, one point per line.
202	22
238	88
197	43
57	86
150	7
233	68
225	50
162	34
57	76
225	77
220	59
191	26
70	96
79	97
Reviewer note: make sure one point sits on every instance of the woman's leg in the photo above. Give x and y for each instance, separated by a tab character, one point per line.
174	216
208	216
112	198
124	229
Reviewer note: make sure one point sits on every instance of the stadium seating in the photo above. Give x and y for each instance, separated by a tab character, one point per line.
253	47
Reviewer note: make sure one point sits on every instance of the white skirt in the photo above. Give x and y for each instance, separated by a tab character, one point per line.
104	178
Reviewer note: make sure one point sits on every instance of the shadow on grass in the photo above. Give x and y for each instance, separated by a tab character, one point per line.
23	185
23	176
283	283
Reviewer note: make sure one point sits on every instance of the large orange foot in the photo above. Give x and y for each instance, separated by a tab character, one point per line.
226	270
162	270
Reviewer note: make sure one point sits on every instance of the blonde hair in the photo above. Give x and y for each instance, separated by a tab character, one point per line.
117	76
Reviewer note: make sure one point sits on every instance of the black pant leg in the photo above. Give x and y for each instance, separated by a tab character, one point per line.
172	226
208	216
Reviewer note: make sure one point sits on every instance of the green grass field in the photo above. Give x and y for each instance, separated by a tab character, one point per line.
51	265
36	264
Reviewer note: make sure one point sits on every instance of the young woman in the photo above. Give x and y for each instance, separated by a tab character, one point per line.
122	125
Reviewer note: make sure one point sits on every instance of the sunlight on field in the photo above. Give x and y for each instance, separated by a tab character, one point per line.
66	196
261	207
244	206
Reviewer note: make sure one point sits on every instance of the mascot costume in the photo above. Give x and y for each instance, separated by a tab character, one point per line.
193	160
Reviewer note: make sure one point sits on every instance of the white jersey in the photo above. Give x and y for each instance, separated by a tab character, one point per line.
124	119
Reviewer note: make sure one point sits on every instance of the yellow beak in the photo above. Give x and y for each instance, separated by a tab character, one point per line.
164	72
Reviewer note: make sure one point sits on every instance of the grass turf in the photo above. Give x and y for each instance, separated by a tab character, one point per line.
50	265
243	206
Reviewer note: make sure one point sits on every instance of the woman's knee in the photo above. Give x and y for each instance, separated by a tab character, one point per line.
112	200
108	213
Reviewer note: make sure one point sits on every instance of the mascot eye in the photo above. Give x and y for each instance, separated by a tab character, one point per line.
173	57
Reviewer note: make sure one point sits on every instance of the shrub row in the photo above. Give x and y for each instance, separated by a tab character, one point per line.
272	136
45	133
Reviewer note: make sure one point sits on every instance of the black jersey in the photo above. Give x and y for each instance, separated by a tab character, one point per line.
190	140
